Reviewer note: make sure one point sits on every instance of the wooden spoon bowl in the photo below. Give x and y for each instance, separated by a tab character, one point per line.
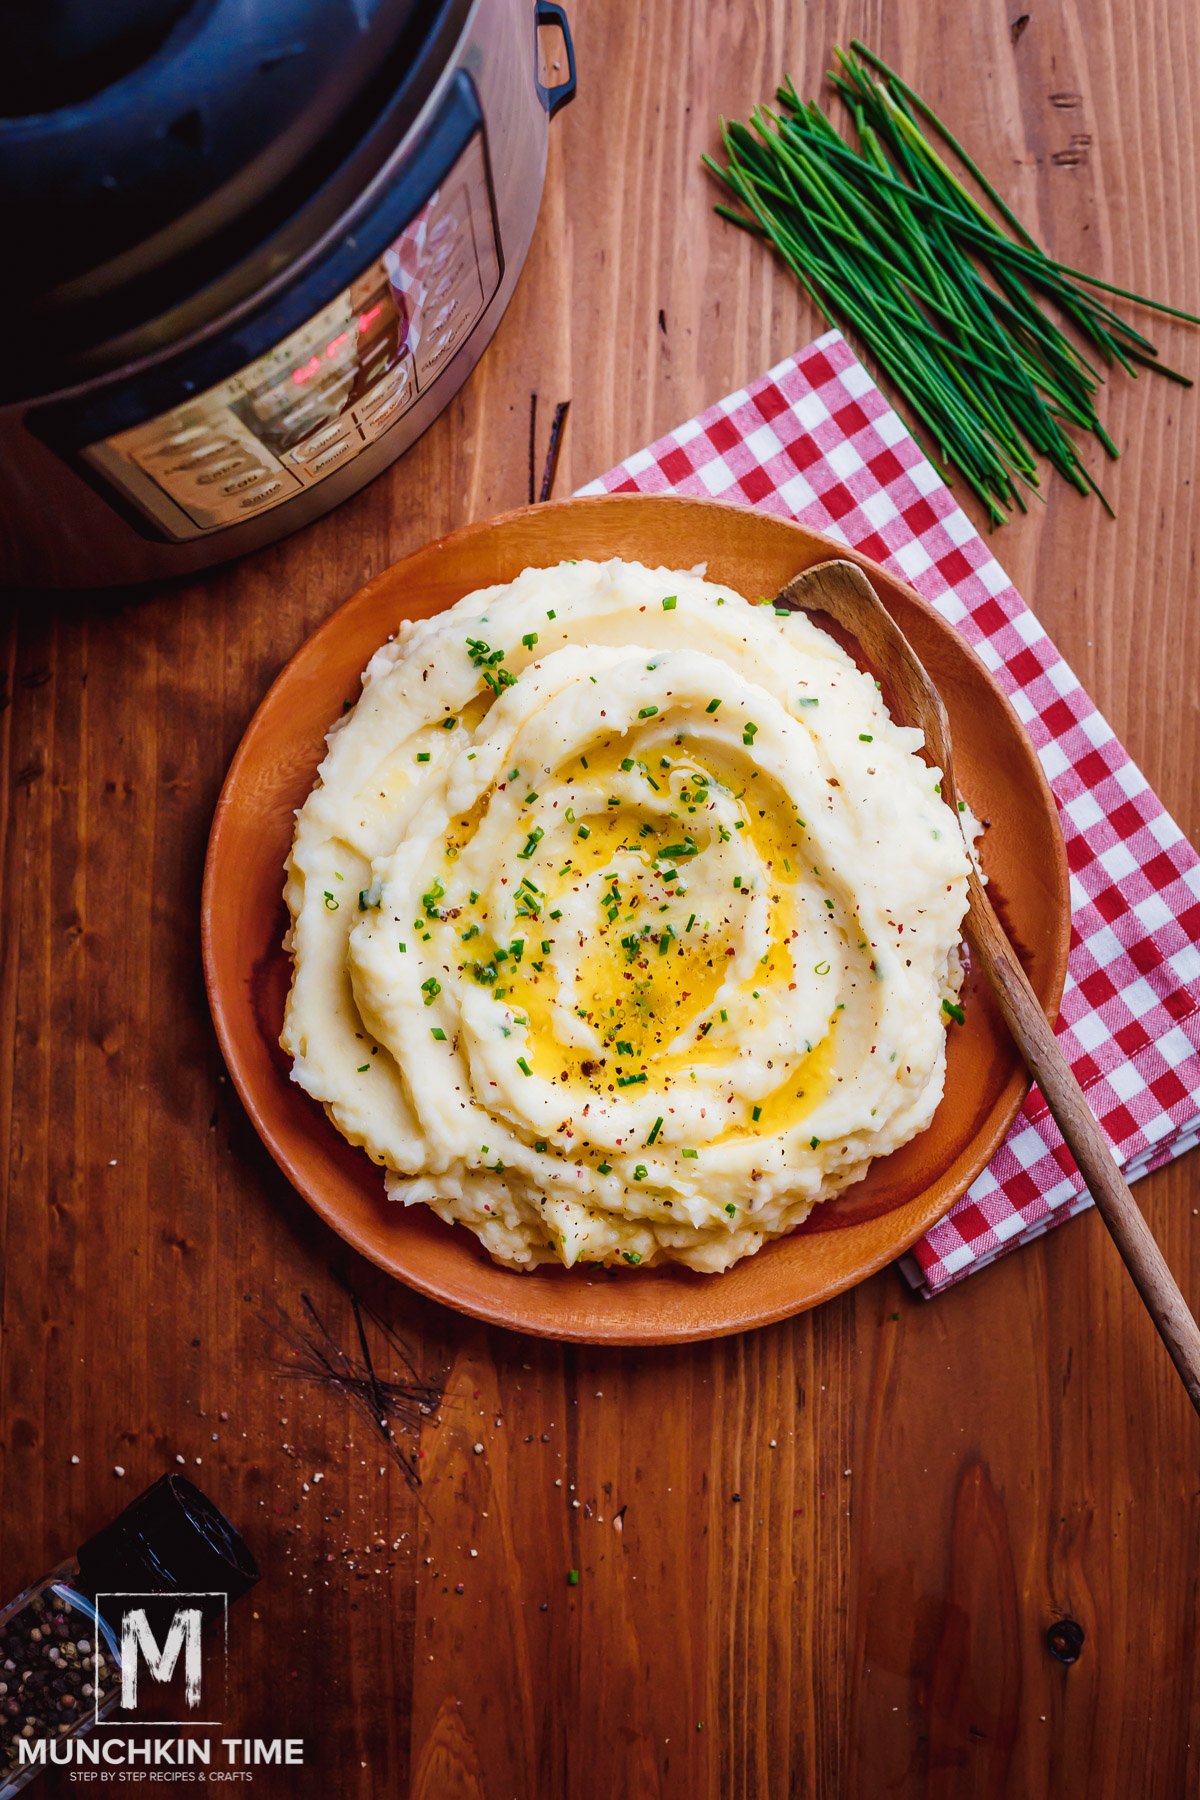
248	973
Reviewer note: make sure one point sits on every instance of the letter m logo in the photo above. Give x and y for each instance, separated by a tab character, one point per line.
139	1644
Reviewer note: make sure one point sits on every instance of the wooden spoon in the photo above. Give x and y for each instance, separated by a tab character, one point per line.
841	590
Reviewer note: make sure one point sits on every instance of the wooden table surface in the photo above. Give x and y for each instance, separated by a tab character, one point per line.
821	1559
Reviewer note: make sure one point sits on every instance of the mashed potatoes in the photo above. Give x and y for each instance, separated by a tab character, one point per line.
625	923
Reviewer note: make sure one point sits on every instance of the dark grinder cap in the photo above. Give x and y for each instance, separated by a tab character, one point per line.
172	1538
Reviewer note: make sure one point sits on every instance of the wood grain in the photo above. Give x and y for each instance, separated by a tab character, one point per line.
868	1615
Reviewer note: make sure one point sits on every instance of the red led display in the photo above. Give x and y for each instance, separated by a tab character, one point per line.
305	371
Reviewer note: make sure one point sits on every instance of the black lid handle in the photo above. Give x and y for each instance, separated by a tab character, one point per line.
548	12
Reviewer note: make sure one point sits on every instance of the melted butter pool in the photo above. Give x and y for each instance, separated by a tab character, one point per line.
658	892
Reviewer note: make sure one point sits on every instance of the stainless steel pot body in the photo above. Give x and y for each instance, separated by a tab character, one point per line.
273	412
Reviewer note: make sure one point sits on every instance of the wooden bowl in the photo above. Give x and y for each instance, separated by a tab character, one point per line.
248	973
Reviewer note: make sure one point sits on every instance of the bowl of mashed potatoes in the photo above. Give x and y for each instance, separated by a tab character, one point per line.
620	992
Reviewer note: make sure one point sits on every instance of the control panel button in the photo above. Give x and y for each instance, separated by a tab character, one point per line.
262	494
321	440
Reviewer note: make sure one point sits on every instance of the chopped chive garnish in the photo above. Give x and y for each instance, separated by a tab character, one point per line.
531	843
639	1173
524	1066
529	640
363	1067
955	1012
331	905
689	1153
669	603
604	1168
431	989
864	737
712	706
437	1032
821	968
654	1131
647	712
449	724
633	1258
629	1080
422	756
584	831
756	1113
731	1209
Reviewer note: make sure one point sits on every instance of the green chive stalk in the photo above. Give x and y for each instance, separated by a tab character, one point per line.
949	298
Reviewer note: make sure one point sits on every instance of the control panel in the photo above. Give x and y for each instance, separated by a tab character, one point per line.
339	382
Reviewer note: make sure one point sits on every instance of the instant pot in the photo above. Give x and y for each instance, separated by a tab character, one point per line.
253	249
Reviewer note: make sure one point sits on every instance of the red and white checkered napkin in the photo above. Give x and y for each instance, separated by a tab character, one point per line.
815	440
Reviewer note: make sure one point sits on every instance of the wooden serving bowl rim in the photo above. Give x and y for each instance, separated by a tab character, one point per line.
845	1240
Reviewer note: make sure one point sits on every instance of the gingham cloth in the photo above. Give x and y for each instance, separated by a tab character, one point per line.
815	440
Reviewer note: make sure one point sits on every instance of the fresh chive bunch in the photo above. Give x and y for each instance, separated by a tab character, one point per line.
947	297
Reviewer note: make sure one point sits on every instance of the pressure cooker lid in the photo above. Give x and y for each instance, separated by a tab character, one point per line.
147	145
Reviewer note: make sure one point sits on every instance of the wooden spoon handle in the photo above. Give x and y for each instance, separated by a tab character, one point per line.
1087	1143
